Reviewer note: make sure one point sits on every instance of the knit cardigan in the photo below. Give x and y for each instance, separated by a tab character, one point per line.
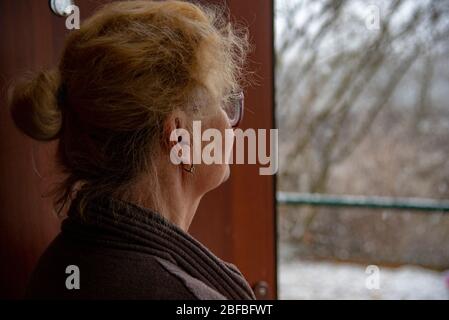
123	251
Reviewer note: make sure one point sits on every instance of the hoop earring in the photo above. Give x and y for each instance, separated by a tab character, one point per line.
189	170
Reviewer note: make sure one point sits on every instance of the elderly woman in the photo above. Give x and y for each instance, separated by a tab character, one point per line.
134	74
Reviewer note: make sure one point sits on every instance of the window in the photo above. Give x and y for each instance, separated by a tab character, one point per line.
362	108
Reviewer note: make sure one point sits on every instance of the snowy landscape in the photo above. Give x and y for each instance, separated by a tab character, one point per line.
304	280
362	111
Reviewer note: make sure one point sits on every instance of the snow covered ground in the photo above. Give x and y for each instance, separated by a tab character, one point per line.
299	279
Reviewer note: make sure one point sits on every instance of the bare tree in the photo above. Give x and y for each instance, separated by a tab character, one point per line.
335	78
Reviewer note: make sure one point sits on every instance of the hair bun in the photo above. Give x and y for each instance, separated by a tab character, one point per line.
34	105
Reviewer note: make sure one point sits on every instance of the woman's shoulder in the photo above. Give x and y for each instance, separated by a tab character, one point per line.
67	271
198	288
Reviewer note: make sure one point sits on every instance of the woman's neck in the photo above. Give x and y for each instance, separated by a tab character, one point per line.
174	200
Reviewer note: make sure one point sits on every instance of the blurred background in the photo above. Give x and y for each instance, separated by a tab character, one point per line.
362	104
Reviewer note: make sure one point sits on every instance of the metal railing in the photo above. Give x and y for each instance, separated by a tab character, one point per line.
370	202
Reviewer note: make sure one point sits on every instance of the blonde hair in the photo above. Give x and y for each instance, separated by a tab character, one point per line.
120	76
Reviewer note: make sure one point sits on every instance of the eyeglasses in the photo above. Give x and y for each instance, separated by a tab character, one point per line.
234	107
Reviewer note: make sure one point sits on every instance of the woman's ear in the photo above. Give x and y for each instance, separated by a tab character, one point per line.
175	129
